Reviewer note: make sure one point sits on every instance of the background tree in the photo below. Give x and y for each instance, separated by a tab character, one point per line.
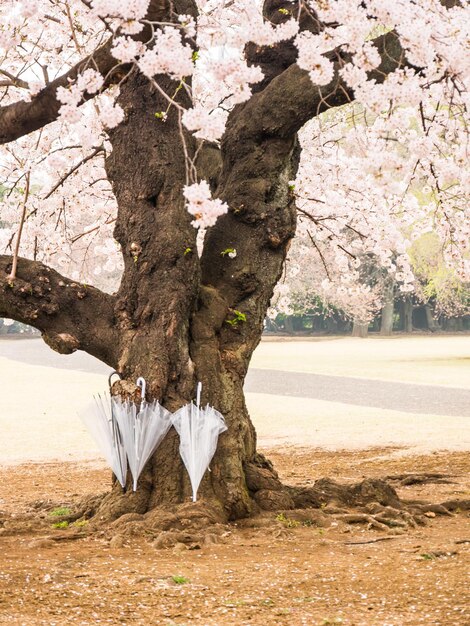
439	287
194	109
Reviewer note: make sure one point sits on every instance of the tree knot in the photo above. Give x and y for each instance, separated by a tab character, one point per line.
64	343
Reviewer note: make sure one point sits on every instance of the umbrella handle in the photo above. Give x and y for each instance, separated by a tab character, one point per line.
143	386
111	376
198	394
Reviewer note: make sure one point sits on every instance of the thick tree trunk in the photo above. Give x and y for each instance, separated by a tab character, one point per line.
176	317
407	320
432	323
360	329
158	297
172	309
386	320
454	324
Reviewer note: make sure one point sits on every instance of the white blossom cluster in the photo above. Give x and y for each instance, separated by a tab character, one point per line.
202	206
368	188
375	177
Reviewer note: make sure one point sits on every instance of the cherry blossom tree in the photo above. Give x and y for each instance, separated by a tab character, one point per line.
438	286
174	141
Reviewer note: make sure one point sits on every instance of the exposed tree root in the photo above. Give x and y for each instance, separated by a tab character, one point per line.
405	480
120	515
372	502
457	505
363	543
327	492
66	537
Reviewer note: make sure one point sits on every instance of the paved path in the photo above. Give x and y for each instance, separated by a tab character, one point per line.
36	352
408	398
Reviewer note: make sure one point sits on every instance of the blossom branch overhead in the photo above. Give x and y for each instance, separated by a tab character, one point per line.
302	61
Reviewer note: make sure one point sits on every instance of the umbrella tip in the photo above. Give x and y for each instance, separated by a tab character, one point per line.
110	378
143	385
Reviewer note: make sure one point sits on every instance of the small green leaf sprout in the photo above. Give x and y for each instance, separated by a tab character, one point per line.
230	252
60	525
60	510
80	523
285	521
180	580
162	115
238	317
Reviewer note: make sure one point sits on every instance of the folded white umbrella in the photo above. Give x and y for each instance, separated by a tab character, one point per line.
100	420
143	429
199	431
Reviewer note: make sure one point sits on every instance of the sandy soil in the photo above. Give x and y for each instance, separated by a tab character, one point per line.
335	426
267	575
424	359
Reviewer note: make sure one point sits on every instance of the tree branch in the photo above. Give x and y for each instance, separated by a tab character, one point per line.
259	157
73	169
13	80
291	99
70	315
14	264
21	118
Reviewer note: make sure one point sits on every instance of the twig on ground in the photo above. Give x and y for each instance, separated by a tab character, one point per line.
362	543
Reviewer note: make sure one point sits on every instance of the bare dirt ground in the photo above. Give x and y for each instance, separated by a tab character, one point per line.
266	572
272	571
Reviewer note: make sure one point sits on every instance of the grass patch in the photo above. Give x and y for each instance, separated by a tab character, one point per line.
63	524
285	521
180	580
80	523
60	511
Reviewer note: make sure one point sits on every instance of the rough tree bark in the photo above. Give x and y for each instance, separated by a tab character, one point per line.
433	324
407	315
360	329
168	321
386	321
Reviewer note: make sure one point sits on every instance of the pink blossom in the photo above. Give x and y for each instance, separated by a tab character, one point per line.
35	87
111	114
129	10
70	113
126	50
90	80
202	206
321	70
207	126
168	56
189	24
